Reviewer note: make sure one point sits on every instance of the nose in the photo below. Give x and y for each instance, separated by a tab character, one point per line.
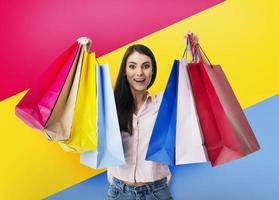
139	71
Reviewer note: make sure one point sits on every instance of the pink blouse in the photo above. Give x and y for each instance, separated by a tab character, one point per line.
136	168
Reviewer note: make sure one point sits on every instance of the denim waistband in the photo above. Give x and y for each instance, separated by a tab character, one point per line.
147	188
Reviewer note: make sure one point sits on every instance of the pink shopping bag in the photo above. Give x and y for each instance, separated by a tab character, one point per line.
36	106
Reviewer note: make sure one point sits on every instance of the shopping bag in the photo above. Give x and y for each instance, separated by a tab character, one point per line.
226	130
58	127
110	150
161	148
36	106
83	135
189	143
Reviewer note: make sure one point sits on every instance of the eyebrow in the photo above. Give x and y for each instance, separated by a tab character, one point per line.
147	62
132	62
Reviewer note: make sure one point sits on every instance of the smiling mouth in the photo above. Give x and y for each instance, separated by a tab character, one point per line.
140	80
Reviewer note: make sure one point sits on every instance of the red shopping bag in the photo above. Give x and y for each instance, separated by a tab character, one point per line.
36	106
227	133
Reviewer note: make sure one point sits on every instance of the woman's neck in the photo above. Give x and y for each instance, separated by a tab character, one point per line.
139	98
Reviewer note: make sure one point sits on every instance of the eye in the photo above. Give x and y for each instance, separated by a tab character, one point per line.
146	66
132	66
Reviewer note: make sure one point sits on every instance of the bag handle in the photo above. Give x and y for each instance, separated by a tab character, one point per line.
187	48
200	52
88	43
197	51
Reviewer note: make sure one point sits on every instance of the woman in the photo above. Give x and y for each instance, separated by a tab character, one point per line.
137	111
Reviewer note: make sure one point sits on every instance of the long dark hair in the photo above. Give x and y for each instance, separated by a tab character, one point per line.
124	99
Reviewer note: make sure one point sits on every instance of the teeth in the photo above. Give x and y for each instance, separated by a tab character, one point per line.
139	80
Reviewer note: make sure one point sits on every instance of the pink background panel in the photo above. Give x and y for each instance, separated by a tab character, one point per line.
34	33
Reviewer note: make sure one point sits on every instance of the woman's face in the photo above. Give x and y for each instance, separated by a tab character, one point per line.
138	71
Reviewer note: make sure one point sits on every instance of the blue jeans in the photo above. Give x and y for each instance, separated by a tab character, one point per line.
157	190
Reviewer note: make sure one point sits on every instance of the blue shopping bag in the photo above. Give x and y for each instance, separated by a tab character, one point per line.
109	149
161	147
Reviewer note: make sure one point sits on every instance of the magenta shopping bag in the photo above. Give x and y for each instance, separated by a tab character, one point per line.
36	106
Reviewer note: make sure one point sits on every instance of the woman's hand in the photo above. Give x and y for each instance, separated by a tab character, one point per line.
195	39
85	41
192	44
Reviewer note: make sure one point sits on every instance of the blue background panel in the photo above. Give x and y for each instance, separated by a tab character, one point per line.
253	177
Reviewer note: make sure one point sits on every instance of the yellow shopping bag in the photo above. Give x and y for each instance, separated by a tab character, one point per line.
84	126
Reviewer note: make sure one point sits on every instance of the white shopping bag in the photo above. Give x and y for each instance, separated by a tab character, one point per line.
189	144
